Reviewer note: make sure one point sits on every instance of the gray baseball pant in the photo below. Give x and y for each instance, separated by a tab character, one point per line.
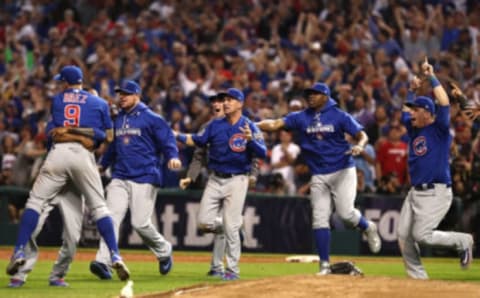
422	212
71	206
339	187
140	198
232	191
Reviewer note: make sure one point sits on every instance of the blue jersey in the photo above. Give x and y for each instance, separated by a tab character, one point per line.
229	151
322	137
429	149
78	108
141	138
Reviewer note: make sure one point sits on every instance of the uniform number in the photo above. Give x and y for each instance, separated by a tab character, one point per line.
72	115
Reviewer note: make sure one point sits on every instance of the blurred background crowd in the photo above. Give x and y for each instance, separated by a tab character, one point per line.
183	51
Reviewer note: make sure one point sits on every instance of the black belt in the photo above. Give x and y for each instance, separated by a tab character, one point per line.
426	186
226	175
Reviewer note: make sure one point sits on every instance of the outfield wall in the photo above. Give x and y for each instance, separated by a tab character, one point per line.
271	224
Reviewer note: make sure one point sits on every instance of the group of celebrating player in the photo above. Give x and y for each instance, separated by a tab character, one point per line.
229	144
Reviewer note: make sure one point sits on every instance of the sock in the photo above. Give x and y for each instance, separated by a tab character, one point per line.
105	227
27	226
322	240
363	223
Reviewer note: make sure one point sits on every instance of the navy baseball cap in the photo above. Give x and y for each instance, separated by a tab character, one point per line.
129	87
321	88
215	97
233	92
71	74
424	103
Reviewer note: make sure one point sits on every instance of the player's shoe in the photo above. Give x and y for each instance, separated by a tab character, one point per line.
120	267
100	270
466	255
17	260
15	283
324	269
374	241
229	276
214	273
58	282
165	265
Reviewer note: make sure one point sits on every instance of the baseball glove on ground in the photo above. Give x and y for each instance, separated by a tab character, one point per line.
345	267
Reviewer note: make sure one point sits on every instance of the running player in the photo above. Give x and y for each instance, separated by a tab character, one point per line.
430	196
233	142
71	206
199	160
72	110
321	130
141	137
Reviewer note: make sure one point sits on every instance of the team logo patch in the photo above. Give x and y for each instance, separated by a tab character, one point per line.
420	146
237	142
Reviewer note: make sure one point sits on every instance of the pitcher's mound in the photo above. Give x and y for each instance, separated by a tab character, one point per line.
330	286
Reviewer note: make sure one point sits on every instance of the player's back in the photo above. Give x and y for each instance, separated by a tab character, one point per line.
78	108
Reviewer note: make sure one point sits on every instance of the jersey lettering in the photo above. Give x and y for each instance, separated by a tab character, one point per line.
74	98
71	113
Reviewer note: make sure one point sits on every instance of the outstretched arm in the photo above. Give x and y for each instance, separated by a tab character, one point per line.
271	124
184	138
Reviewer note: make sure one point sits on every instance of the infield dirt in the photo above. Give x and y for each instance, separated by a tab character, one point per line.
331	286
341	286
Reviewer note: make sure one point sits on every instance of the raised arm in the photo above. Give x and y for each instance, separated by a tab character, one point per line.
471	111
438	90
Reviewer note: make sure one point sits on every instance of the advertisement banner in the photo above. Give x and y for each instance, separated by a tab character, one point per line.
271	224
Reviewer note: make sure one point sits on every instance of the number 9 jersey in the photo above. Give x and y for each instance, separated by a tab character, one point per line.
78	108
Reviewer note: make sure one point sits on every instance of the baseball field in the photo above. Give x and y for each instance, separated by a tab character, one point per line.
262	275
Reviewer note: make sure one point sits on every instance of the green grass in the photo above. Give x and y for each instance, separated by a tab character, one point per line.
148	280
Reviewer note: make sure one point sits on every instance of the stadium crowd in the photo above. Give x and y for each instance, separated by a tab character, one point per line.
181	52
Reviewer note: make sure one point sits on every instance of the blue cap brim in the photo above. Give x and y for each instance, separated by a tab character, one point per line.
57	77
225	94
123	91
414	105
311	90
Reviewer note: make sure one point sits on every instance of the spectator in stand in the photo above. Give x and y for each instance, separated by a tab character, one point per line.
365	165
283	158
375	131
8	161
392	155
182	53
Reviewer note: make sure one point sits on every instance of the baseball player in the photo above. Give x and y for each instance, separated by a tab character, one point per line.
76	111
141	137
71	206
430	196
199	160
321	129
233	142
